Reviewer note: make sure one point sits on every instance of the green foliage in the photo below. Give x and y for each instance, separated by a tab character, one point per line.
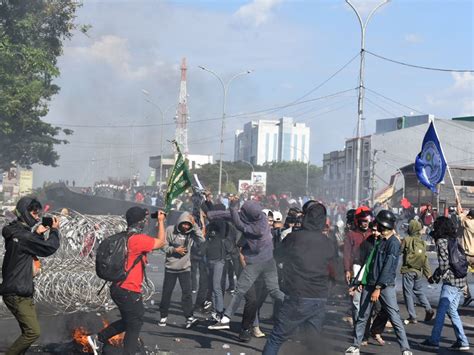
31	35
288	177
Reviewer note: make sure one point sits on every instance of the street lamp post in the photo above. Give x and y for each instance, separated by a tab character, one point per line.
248	163
162	112
225	88
226	176
360	101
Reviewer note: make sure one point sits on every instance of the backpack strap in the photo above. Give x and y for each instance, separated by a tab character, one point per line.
135	262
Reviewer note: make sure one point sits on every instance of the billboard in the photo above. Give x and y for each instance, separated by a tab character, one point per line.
245	186
26	182
259	182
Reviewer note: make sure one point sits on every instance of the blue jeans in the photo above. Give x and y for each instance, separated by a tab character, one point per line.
448	303
412	286
295	312
355	307
247	278
216	269
388	301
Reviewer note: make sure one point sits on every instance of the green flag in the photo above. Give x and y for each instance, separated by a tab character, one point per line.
179	180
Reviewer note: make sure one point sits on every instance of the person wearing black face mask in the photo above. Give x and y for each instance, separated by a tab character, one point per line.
22	247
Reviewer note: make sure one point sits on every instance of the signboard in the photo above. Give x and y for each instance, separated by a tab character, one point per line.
26	182
245	186
259	182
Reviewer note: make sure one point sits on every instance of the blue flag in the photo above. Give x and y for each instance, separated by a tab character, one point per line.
430	164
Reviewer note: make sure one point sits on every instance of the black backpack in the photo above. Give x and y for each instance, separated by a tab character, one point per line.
457	259
111	258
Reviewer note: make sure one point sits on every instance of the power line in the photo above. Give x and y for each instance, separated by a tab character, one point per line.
201	120
420	66
396	102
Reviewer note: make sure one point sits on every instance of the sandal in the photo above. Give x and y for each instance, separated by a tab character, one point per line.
378	338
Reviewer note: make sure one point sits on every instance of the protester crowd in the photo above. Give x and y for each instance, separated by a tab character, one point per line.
287	249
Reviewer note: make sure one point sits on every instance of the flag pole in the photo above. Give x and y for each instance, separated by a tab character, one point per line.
447	165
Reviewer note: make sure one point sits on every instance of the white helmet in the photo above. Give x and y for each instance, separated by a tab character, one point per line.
277	216
266	211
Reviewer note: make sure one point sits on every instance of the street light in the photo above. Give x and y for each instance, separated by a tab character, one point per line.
226	176
225	88
162	112
248	163
360	101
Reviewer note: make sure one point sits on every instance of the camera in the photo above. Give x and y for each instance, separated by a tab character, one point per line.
47	221
154	215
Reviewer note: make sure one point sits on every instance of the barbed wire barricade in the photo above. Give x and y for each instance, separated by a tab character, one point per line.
68	282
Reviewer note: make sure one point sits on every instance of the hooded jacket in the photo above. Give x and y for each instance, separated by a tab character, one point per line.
306	254
257	245
414	235
21	245
176	262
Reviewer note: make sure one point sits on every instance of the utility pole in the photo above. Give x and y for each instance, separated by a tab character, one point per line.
372	189
360	100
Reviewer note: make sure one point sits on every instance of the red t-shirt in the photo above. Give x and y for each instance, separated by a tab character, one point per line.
137	244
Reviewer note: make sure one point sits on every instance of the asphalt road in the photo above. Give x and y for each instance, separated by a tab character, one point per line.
175	339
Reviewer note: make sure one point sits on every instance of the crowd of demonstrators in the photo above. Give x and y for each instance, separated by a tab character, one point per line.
123	191
288	249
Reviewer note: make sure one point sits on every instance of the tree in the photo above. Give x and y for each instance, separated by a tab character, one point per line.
288	177
31	40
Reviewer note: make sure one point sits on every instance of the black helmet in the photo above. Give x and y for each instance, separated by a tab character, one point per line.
386	219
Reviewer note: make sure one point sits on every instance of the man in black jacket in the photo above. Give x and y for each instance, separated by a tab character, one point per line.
24	242
305	255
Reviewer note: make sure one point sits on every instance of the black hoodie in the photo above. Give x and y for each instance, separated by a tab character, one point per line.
305	255
21	245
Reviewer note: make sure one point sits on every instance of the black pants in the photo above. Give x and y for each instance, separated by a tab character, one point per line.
186	296
203	283
254	299
130	305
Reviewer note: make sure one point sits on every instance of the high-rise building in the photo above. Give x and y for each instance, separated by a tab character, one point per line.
272	141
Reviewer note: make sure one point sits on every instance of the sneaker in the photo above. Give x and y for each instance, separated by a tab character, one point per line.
429	315
95	343
407	352
364	342
257	333
245	335
467	301
458	346
194	291
224	323
353	350
190	322
428	344
207	305
162	322
410	321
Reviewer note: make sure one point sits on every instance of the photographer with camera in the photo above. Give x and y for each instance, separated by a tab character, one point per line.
179	240
24	242
452	272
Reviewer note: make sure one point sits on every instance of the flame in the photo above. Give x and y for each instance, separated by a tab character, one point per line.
79	335
116	340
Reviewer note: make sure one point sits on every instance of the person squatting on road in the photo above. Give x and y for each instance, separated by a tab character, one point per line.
25	240
127	294
305	257
415	264
257	252
381	285
179	240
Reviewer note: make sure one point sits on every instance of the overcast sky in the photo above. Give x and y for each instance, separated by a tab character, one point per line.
291	46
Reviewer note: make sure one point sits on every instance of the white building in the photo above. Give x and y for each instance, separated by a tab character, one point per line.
272	141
